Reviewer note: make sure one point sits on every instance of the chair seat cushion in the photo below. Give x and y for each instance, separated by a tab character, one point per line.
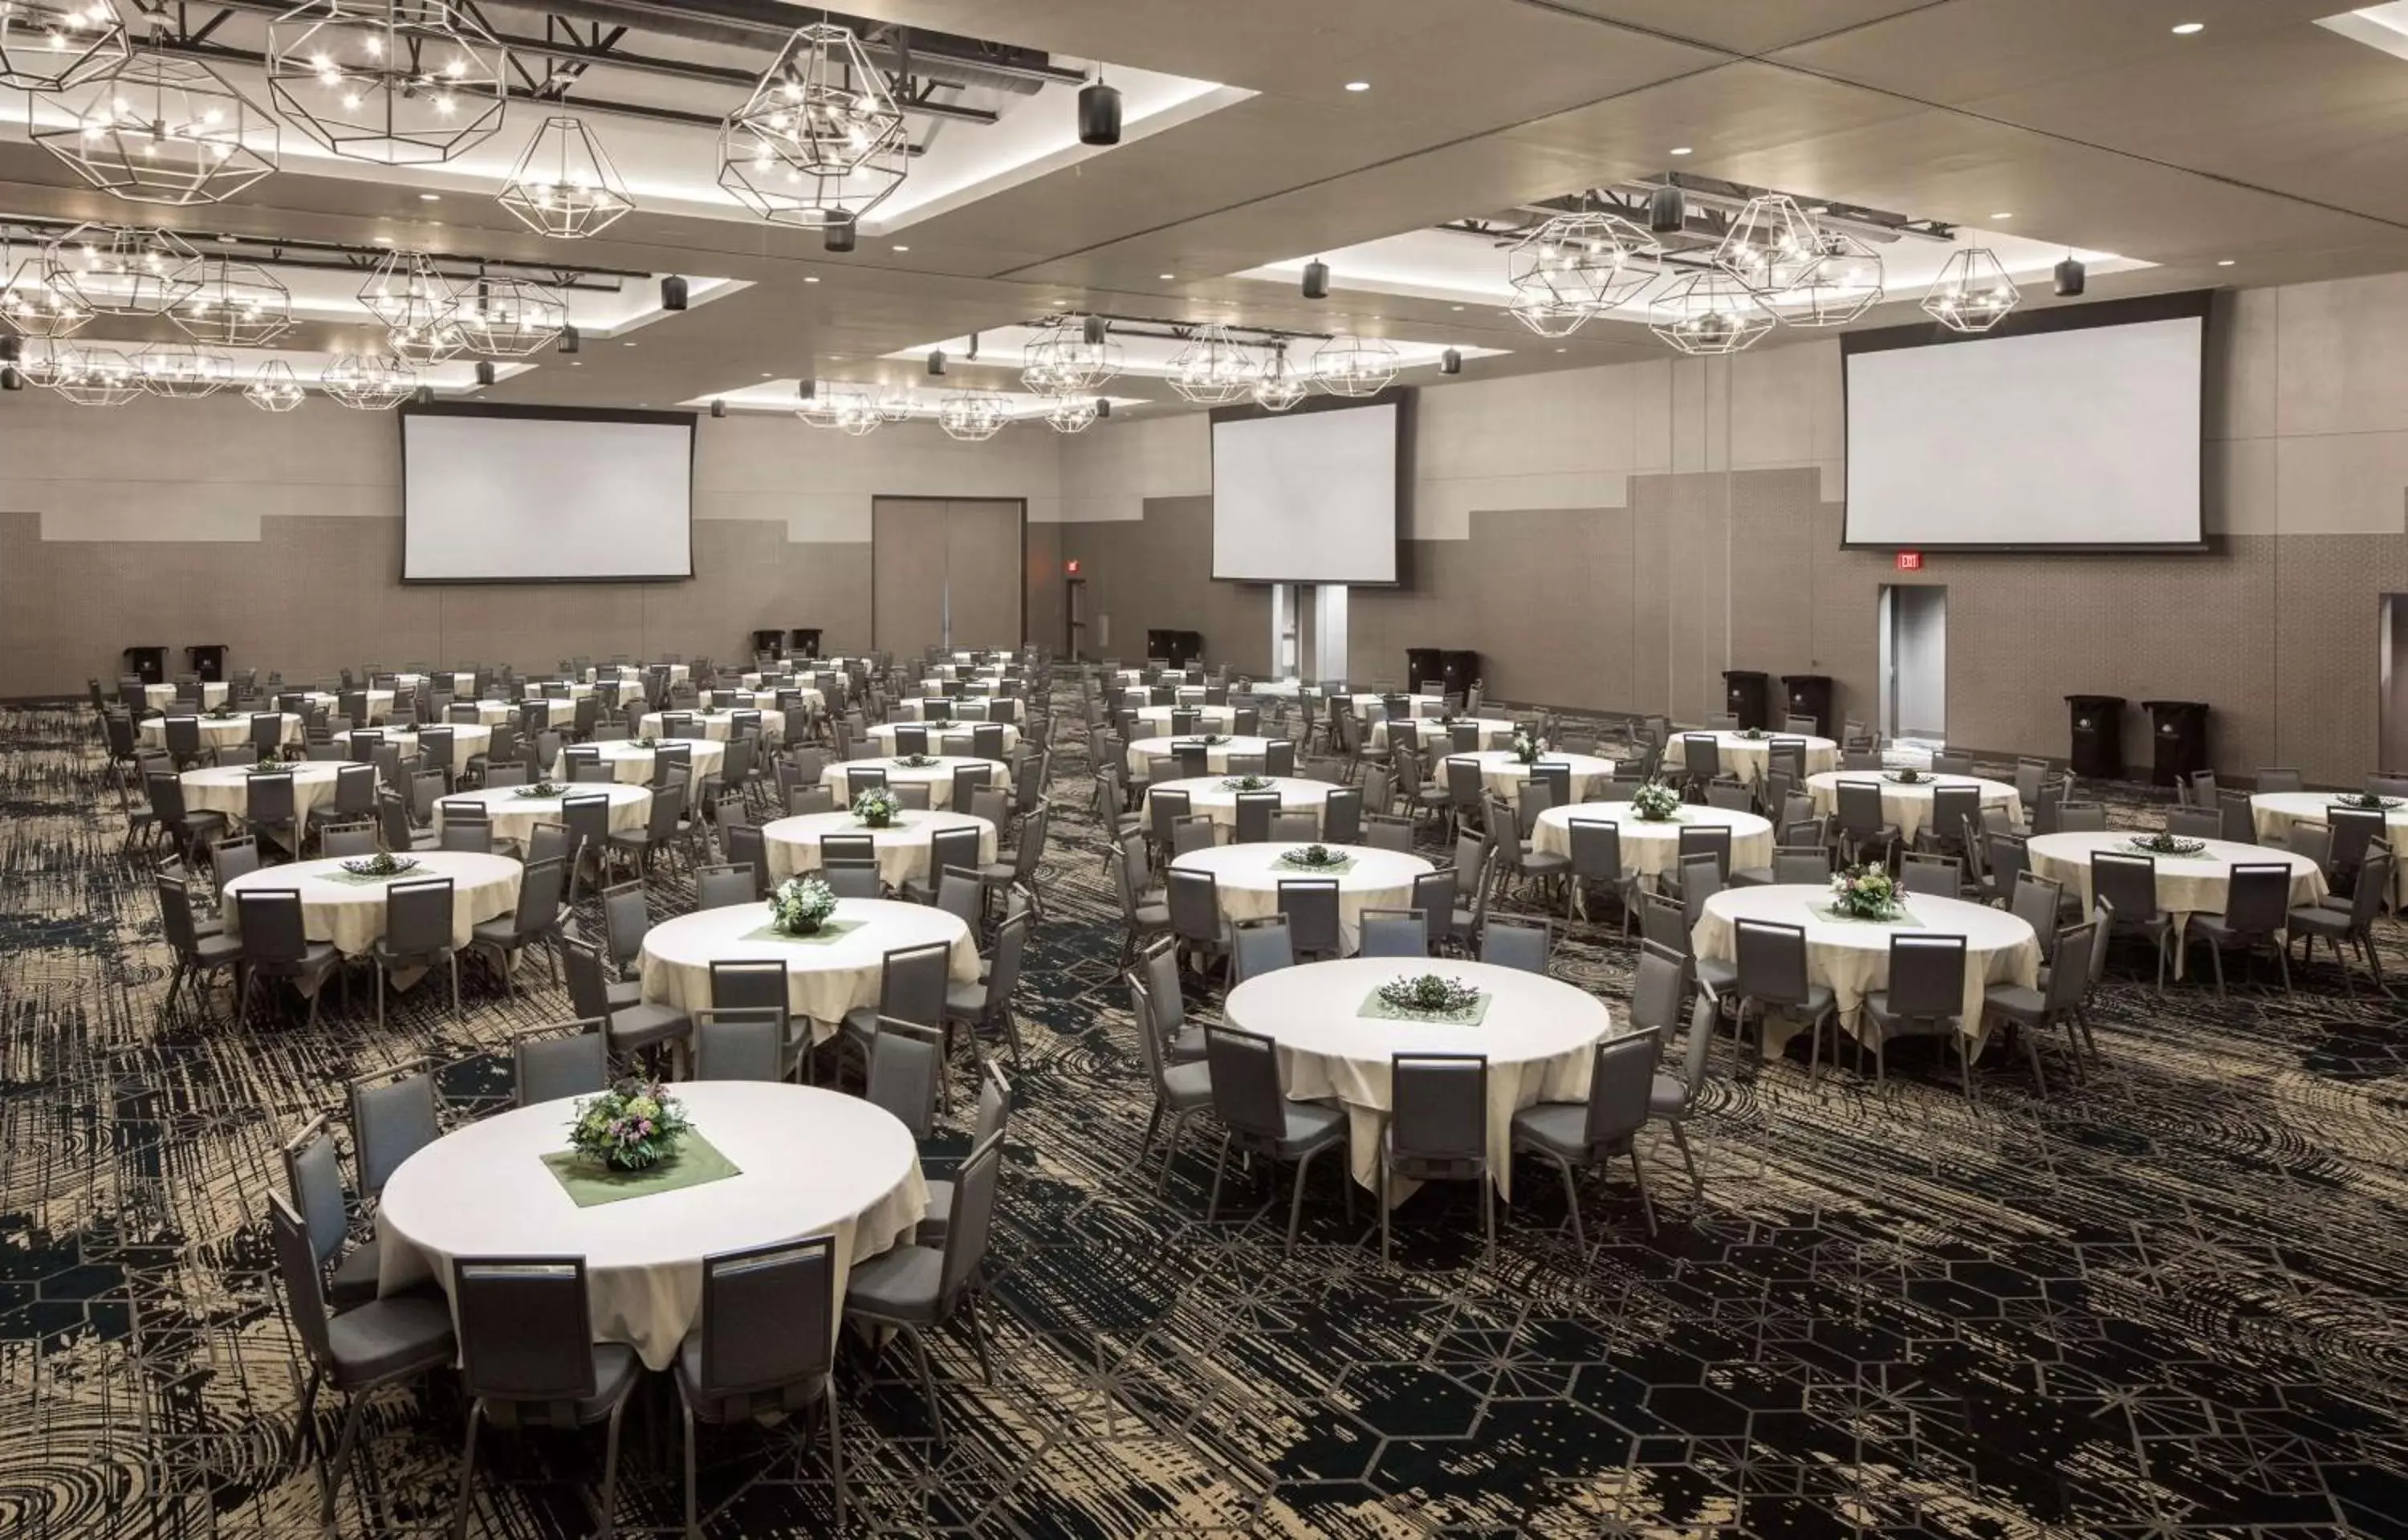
1877	1010
500	932
2312	919
624	992
1188	1045
354	1280
900	1284
216	948
1558	1127
2216	928
938	1219
967	1002
387	1339
1667	1094
1717	975
1544	863
2016	1001
1189	1085
1153	916
789	1398
641	1026
1308	1123
861	1023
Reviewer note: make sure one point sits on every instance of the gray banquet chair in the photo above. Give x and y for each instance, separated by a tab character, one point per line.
1257	1118
1576	1136
1437	1131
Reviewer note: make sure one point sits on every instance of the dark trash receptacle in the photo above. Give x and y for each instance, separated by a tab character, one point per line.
1810	695
1747	695
772	641
149	664
2178	740
208	661
1458	673
1177	648
2097	727
1423	666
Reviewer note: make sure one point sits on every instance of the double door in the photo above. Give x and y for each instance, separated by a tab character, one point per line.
945	572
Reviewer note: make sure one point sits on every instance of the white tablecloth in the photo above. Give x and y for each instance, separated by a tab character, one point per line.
1248	877
1910	806
746	699
1852	956
635	674
633	766
959	711
773	725
2186	885
1217	755
556	713
1156	719
160	697
1744	758
938	776
792	846
216	733
1370	703
227	789
515	816
824	979
882	734
466	741
1209	795
379	703
456	682
2275	811
1538	1036
349	911
1438	740
810	1162
1650	849
1501	774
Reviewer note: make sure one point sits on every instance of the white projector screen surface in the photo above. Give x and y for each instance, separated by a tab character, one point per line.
2088	436
492	499
1306	499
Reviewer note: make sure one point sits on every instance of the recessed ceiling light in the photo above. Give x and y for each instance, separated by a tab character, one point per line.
1358	85
765	374
1166	277
1563	350
1680	150
384	241
2003	216
2225	262
577	363
430	197
902	248
226	240
626	344
1061	302
809	279
2185	29
1458	307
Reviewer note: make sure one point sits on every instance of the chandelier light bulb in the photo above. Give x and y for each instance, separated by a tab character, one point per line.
1972	293
359	77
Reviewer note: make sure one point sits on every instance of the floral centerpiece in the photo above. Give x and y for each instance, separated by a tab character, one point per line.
384	863
877	807
915	761
1866	893
220	714
2367	799
1528	746
1315	856
801	905
647	741
278	761
1247	783
1428	995
1449	718
634	1125
540	789
1656	802
1754	735
1204	739
2166	844
713	710
1907	775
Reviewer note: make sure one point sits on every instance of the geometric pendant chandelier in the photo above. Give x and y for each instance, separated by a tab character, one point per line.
53	44
563	185
108	269
399	82
166	131
1972	293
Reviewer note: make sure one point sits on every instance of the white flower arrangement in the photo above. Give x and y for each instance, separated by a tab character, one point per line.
878	807
801	905
1528	747
1656	802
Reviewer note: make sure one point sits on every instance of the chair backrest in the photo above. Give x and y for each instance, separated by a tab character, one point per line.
2373	889
1860	806
273	938
418	916
1311	907
1621	1085
742	1042
1514	942
1194	905
913	983
2034	899
316	1180
907	1063
1438	1107
2130	882
768	1320
727	884
1256	810
1920	872
1926	976
1261	945
549	1067
1394	933
626	918
2258	899
525	1333
1771	961
394	1116
2081	817
1801	865
1661	983
1165	806
1246	1093
2353	831
2195	822
305	1286
970	1222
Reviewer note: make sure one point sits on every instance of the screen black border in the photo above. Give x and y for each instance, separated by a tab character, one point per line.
554	415
1405	399
2180	306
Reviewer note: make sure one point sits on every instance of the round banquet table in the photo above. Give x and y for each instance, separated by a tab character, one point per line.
1156	720
217	732
938	777
882	734
1909	805
962	711
515	816
2275	811
792	846
1217	755
1209	796
467	740
766	701
1248	878
160	697
808	1161
1538	1035
1651	848
1744	758
556	713
1434	738
635	674
2186	885
631	764
227	789
350	910
1366	703
1285	689
456	682
1501	774
717	725
1852	957
825	975
1184	695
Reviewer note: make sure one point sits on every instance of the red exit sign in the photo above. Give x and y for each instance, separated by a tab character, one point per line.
1071	568
1909	561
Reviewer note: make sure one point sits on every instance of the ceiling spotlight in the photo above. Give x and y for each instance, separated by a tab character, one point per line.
570	340
563	185
1317	280
1450	362
423	396
674	292
2070	277
1103	408
1972	293
398	83
936	361
2188	29
1680	150
430	197
2225	262
1668	210
486	373
1099	114
2003	216
1168	278
1358	85
719	408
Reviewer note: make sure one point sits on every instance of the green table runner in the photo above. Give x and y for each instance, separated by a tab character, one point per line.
1280	863
1905	917
830	932
1376	1009
697	1161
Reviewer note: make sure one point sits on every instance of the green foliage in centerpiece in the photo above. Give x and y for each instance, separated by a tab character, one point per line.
2166	844
635	1125
801	905
220	714
540	789
1528	747
1754	735
877	807
1428	995
384	863
1656	802
1867	892
1315	856
279	760
1907	775
917	761
2367	799
1247	783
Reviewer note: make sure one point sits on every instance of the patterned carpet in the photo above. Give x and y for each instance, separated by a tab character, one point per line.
2171	1300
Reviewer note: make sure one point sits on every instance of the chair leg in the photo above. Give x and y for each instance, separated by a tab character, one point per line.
342	1455
1639	1173
1212	1203
1571	1205
467	1475
1488	1215
2215	956
1384	1205
836	1454
978	1338
1153	1124
927	1383
610	1472
1965	1055
1681	1143
693	1503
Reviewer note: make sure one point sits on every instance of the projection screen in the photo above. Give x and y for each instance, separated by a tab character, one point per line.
543	495
1308	497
